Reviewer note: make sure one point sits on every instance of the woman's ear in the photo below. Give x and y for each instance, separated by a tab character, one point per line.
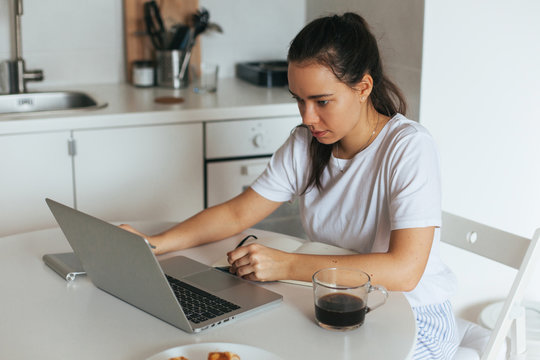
364	87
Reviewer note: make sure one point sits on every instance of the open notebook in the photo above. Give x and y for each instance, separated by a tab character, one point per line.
292	245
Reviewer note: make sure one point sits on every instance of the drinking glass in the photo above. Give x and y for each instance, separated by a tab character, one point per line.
206	78
341	296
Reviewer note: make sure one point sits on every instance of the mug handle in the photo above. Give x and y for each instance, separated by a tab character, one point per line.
383	290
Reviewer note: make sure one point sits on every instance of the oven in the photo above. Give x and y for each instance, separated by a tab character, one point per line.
236	153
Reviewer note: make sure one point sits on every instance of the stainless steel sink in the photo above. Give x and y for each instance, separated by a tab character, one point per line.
47	101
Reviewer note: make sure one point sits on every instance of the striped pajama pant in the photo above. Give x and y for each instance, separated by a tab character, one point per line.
437	332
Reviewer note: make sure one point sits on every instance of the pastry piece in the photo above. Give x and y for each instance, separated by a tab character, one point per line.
223	356
179	358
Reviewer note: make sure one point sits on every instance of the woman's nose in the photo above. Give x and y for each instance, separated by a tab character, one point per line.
309	116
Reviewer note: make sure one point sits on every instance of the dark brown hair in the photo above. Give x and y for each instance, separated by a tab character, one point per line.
344	44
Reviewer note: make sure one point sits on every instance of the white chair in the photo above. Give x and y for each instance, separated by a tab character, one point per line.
506	248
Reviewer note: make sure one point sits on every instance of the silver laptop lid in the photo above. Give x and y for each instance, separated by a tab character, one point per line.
112	257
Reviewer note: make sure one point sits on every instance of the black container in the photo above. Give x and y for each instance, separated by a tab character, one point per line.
263	73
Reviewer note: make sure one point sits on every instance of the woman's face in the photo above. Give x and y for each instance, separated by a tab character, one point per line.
329	108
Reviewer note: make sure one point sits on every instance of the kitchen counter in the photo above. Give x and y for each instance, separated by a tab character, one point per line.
81	157
133	106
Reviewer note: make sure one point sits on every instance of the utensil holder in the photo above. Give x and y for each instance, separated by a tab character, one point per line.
169	63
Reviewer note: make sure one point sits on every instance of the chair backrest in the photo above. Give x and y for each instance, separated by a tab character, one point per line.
506	248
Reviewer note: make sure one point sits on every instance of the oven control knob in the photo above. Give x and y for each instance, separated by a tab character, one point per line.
258	140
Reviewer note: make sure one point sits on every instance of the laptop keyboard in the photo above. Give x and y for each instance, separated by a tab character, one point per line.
198	305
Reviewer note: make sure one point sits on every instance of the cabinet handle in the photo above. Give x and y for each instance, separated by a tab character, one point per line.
255	169
72	147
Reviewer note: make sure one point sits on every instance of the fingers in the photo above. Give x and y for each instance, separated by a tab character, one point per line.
147	238
241	251
252	277
257	262
242	260
130	229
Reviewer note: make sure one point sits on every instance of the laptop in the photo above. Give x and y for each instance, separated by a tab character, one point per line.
122	264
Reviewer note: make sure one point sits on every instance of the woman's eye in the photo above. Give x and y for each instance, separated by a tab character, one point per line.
322	102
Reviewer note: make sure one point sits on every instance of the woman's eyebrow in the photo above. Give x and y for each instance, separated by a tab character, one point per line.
318	96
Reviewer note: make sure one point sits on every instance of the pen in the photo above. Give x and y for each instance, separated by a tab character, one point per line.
244	240
227	268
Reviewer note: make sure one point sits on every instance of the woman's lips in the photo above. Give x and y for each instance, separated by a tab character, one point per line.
318	134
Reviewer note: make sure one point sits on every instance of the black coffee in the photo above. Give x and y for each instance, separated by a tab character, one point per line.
340	310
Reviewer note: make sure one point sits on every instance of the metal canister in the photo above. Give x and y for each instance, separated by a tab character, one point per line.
168	68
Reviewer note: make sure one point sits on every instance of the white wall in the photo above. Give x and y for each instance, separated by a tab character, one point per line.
253	30
480	83
479	98
81	42
73	42
397	25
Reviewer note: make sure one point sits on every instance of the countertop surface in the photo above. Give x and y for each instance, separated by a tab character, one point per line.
128	105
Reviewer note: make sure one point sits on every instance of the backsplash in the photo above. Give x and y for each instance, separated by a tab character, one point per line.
81	42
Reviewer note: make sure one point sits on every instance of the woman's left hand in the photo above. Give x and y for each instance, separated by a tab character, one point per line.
260	263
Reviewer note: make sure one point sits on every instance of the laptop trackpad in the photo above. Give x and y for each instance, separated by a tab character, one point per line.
213	280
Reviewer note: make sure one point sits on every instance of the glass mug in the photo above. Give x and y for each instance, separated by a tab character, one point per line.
341	295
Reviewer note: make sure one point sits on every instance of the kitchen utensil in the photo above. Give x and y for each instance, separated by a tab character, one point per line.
180	37
214	27
154	25
187	58
200	22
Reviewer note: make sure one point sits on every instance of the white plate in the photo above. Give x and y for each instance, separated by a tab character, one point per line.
200	352
488	317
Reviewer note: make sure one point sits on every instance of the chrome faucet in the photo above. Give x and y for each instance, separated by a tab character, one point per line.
16	69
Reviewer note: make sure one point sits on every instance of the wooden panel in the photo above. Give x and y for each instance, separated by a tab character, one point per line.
137	43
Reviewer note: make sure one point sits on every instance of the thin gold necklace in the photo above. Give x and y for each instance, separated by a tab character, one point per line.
362	149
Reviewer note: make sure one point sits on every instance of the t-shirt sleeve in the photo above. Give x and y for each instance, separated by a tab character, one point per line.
415	185
278	182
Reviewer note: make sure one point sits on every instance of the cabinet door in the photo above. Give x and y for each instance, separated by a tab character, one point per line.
140	173
33	167
226	179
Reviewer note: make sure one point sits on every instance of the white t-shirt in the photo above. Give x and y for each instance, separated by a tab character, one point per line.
392	184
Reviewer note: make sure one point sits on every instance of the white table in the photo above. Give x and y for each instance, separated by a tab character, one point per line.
44	317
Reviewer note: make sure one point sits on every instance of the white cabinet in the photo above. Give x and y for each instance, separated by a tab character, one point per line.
32	167
117	174
227	179
140	173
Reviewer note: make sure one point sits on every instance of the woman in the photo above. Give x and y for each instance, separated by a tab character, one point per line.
366	179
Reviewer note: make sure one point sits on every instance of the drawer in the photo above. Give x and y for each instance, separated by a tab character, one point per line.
226	179
252	137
